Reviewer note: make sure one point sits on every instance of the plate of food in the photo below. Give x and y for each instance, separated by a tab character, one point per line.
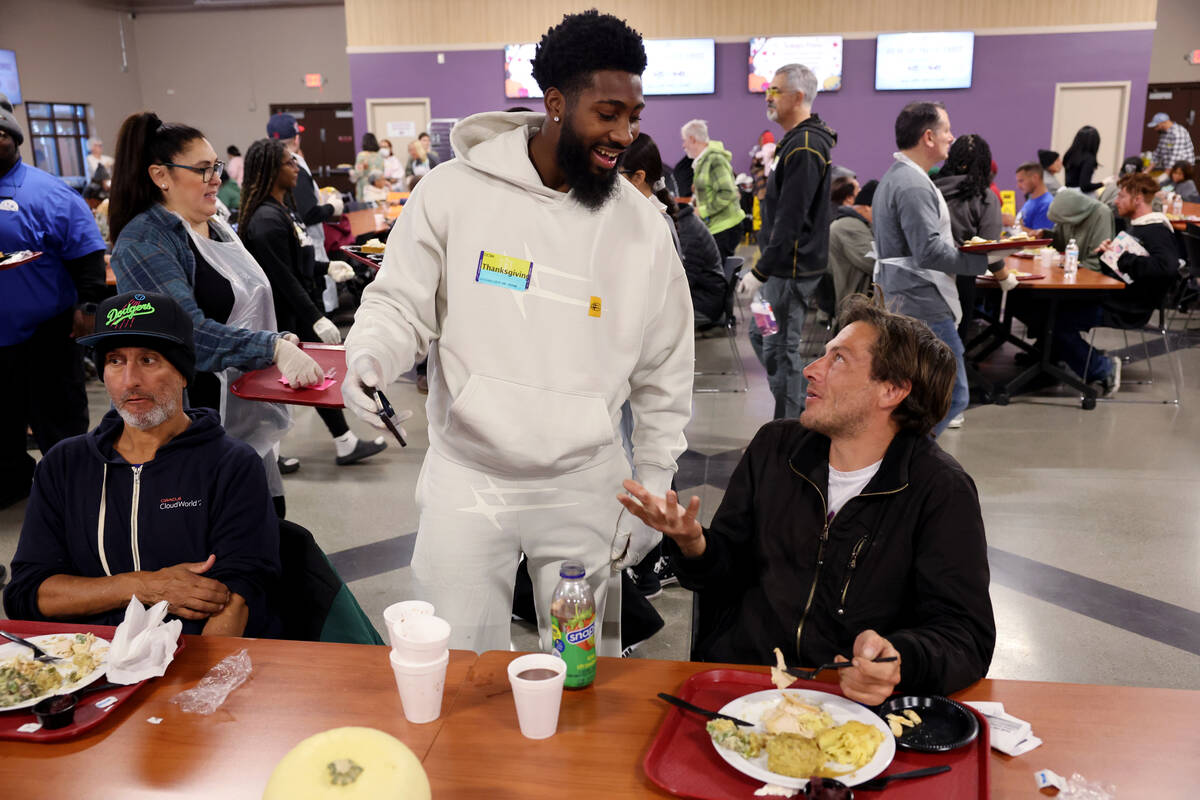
17	258
1033	252
929	724
977	244
797	734
1021	276
24	682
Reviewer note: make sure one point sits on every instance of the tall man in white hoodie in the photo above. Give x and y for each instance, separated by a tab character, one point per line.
546	292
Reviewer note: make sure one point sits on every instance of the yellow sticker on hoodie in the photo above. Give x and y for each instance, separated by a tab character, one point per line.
494	269
594	307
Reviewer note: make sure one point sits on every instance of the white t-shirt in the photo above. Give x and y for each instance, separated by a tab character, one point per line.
844	485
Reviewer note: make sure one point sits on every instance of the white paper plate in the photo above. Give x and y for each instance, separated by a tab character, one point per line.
753	707
48	643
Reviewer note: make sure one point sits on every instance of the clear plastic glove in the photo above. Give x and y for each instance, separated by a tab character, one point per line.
1009	281
291	337
340	271
748	286
216	685
335	200
297	366
362	378
633	541
326	331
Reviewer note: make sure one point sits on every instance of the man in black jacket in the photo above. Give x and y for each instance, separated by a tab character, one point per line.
794	260
848	532
157	502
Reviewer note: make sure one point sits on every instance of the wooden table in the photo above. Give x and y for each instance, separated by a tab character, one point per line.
1050	289
1139	739
1189	210
296	689
363	221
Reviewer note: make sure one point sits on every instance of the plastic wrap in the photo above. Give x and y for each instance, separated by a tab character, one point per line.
216	685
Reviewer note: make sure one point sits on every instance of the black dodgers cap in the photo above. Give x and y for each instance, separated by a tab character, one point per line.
283	126
143	319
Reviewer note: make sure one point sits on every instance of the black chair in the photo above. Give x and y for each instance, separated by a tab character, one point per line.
311	599
1187	298
728	321
1173	364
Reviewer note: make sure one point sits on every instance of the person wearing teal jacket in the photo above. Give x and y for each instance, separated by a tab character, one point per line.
714	192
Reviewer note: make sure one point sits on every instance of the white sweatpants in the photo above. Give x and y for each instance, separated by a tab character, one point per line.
474	526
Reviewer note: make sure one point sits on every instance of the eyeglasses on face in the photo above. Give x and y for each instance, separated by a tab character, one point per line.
206	173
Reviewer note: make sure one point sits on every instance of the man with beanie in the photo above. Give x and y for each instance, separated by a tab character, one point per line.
157	502
1051	165
43	304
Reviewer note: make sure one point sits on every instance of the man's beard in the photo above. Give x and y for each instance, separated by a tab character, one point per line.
574	158
772	114
164	408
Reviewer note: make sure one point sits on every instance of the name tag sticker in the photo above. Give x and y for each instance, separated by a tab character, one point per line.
503	271
594	307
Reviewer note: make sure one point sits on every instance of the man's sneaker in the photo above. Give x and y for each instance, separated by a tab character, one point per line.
664	572
647	582
957	422
1112	381
288	465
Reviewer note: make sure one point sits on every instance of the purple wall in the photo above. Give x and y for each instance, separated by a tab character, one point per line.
1010	103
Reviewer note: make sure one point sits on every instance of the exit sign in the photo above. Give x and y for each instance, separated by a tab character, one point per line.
313	80
1194	58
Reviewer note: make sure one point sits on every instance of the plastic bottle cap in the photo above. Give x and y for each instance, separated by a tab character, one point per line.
571	569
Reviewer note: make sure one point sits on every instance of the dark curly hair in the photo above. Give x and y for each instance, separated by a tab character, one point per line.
970	156
585	43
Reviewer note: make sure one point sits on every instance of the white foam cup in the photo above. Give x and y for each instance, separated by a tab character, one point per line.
420	639
398	612
421	687
537	701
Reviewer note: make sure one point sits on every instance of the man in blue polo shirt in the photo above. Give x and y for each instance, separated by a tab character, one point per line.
1034	214
41	364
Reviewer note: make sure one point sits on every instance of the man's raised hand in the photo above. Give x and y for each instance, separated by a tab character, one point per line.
666	515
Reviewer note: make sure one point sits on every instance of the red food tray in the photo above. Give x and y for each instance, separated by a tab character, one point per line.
1003	244
7	264
1021	278
263	384
87	715
682	761
372	260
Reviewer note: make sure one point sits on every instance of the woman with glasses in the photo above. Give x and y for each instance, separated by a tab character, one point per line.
168	239
276	236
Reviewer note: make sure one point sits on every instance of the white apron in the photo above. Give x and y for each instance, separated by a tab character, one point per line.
943	282
258	424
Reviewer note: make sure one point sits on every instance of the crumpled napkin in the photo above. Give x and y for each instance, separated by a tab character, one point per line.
1010	735
143	645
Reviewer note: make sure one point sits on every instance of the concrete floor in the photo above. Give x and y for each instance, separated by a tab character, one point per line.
1093	517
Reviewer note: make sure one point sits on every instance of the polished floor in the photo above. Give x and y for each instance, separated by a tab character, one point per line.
1093	517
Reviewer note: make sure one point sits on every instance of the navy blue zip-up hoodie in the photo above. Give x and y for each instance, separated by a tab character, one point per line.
203	493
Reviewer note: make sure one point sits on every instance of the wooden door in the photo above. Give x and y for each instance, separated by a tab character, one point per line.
1105	106
399	120
327	142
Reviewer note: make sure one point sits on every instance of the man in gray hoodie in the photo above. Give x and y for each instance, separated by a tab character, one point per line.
917	257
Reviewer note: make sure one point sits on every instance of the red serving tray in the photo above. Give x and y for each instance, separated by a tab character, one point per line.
1003	244
87	715
682	761
1022	278
11	264
355	252
263	384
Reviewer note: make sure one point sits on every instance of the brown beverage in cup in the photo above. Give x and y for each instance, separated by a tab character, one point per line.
537	674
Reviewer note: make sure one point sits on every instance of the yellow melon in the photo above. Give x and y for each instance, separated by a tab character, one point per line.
349	763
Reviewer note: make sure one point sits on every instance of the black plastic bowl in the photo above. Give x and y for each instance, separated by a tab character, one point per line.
945	724
56	712
827	789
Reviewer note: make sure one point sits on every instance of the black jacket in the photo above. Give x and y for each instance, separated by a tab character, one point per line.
279	242
203	493
308	204
906	558
703	265
798	197
1153	276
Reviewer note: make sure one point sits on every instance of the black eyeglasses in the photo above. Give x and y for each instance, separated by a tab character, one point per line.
206	173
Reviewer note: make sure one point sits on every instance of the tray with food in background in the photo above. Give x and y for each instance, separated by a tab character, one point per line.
978	244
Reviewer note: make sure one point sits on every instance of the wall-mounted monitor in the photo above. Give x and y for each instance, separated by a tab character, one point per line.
940	60
10	82
821	54
673	66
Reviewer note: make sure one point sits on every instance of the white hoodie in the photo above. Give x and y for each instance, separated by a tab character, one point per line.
531	383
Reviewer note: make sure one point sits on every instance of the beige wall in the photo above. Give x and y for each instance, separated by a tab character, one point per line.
1177	34
71	53
217	70
221	70
408	23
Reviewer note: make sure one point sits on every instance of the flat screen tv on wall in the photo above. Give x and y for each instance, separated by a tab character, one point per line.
942	60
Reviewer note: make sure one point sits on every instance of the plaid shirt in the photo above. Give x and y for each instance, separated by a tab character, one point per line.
1174	145
153	254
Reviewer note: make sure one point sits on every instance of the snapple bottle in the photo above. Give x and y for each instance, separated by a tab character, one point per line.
573	625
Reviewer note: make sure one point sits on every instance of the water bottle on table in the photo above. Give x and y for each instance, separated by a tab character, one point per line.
1071	260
